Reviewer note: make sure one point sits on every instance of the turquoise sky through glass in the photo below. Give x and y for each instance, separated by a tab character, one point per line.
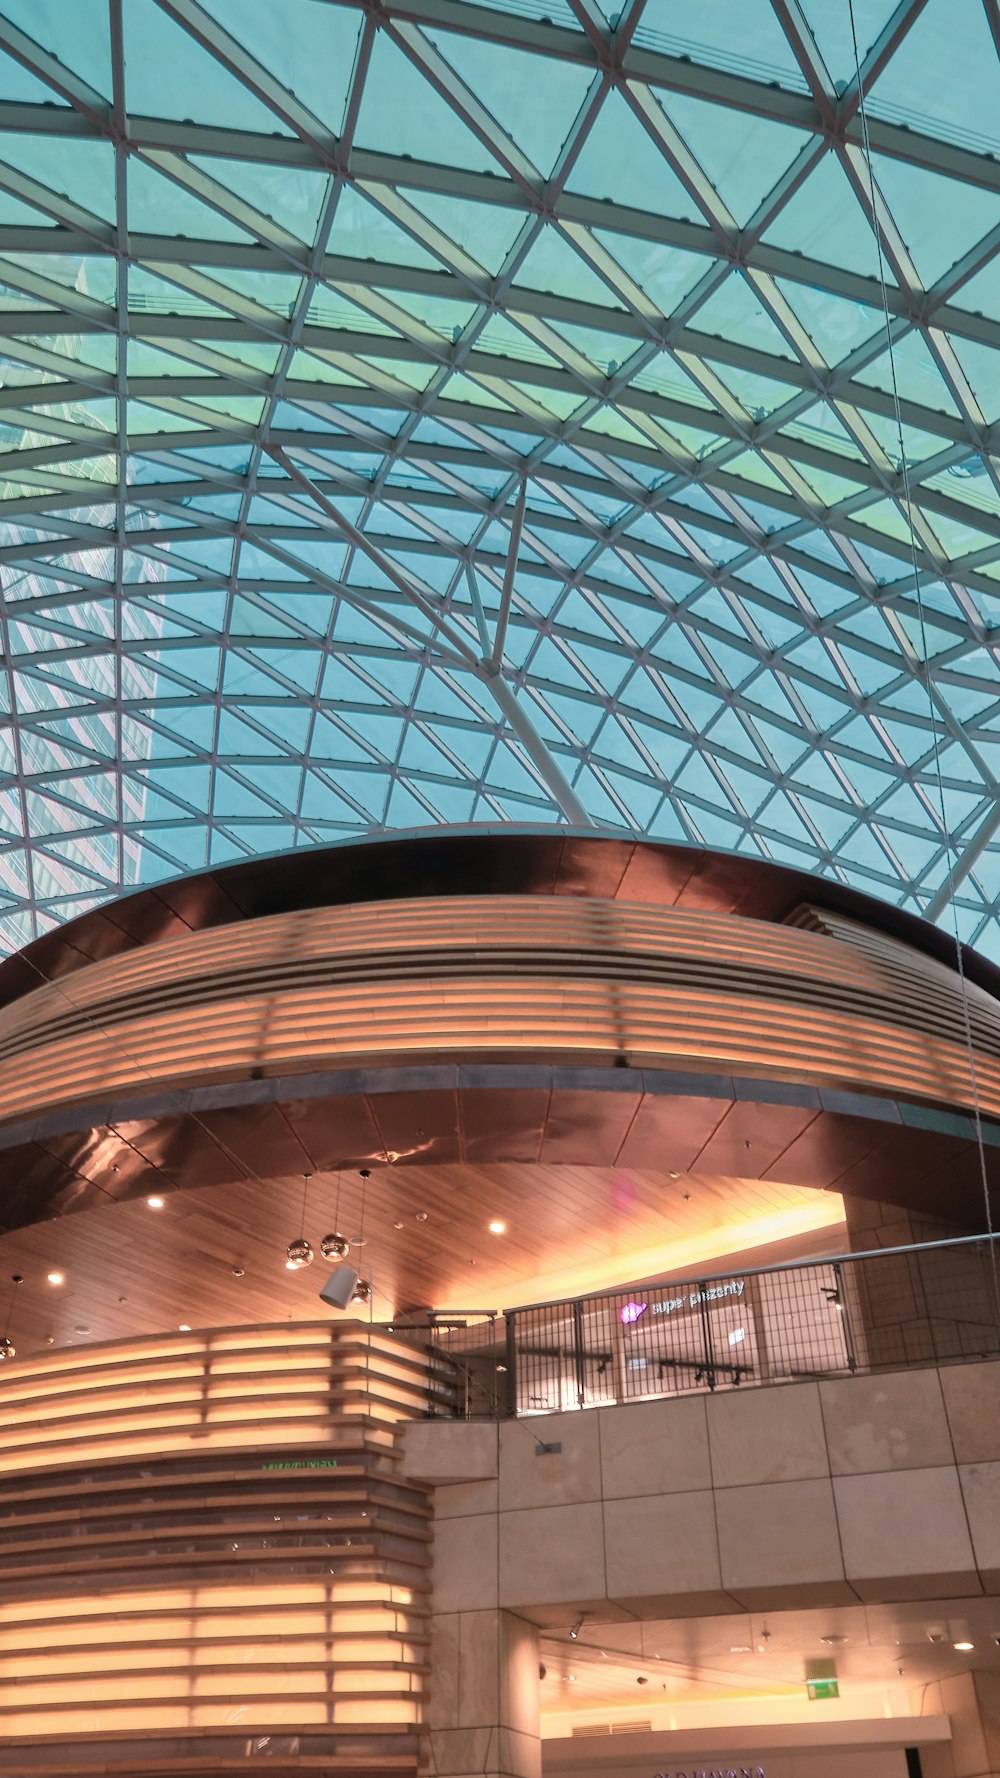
483	412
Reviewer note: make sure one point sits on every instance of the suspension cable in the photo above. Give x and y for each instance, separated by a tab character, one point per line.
924	669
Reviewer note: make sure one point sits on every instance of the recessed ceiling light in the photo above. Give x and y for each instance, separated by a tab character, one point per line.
741	1648
963	1647
497	1227
398	1225
56	1277
184	1328
155	1203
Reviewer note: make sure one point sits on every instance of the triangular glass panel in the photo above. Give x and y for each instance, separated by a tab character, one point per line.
506	81
310	49
291	196
943	76
78	36
824	221
743	155
939	219
708	33
169	74
620	162
486	231
403	114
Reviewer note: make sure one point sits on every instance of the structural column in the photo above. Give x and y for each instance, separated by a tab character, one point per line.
484	1711
972	1701
917	1307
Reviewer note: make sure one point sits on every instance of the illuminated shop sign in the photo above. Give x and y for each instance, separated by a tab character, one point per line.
303	1463
713	1293
715	1772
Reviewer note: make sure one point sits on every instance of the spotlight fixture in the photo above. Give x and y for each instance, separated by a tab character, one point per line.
155	1203
833	1298
497	1227
56	1277
339	1289
577	1627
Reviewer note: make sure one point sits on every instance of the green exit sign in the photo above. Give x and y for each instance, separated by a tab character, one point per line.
822	1688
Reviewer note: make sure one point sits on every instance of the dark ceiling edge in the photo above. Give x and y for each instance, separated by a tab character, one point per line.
497	1077
469	860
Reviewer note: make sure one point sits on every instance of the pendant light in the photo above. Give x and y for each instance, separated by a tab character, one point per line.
298	1253
362	1294
7	1347
335	1246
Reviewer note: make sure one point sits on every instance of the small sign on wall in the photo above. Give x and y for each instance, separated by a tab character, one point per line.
821	1680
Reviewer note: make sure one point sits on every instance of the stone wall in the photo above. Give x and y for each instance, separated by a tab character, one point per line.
874	1488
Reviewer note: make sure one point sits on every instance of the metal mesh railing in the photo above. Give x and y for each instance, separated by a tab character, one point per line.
936	1303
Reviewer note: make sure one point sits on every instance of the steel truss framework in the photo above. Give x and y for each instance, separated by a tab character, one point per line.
441	412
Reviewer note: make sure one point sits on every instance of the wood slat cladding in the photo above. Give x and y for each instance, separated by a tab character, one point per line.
207	1553
501	977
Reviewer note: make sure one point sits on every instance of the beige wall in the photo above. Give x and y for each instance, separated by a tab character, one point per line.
873	1488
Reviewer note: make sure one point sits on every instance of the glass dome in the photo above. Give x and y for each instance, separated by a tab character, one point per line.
447	412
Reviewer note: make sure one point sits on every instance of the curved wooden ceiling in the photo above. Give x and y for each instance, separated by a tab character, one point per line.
216	1256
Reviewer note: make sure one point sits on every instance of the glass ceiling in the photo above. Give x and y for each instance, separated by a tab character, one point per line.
449	412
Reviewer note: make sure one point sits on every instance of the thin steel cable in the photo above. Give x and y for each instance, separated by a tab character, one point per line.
16	1281
926	674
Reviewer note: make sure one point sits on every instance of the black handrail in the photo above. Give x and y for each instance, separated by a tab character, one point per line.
923	1303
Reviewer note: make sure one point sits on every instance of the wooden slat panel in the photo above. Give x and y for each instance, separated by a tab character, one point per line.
153	1598
500	977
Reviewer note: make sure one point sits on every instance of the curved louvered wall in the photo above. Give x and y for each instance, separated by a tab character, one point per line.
206	1553
500	978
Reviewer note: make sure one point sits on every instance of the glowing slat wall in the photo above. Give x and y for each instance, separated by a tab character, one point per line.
206	1553
495	977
